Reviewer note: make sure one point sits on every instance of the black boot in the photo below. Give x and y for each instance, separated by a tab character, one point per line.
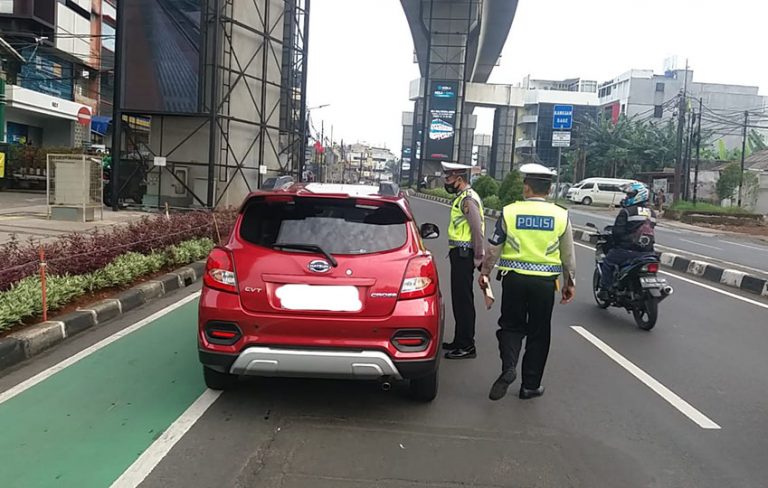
526	394
500	386
462	353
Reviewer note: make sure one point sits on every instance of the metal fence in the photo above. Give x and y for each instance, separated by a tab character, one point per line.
75	189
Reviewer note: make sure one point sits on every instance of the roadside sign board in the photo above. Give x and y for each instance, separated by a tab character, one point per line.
562	117
561	139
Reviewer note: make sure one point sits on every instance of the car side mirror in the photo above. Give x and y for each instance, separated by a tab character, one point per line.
429	231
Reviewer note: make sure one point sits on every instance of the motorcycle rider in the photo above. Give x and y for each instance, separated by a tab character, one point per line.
633	234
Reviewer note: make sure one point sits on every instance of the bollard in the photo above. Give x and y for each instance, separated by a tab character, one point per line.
43	284
216	226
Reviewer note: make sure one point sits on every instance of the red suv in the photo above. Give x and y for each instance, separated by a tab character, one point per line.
326	281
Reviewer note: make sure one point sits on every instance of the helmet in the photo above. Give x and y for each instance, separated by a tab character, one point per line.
637	194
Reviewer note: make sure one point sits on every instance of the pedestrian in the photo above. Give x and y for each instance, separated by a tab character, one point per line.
534	240
661	200
466	236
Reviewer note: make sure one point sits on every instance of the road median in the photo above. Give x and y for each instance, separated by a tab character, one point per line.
27	343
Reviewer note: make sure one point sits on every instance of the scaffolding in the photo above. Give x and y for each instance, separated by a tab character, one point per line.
253	100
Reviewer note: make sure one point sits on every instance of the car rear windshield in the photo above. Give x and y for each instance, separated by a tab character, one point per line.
338	226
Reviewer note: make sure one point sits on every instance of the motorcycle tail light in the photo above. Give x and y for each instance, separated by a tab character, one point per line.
651	268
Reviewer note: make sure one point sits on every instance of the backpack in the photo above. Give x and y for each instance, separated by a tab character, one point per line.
644	236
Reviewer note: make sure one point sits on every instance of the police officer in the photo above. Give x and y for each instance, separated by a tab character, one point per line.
466	236
535	241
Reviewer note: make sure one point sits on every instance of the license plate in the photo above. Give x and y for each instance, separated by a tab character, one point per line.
319	298
652	282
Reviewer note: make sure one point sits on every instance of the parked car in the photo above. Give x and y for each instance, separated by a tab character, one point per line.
603	191
325	281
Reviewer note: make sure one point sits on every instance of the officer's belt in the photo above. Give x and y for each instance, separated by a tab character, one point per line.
464	244
536	267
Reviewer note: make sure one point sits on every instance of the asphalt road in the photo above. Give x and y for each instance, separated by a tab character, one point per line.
635	418
751	254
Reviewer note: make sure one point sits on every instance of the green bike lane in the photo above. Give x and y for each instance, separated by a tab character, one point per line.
86	424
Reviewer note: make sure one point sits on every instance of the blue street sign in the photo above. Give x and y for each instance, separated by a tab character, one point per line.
562	119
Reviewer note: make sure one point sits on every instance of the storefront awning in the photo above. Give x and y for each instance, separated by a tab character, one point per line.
100	124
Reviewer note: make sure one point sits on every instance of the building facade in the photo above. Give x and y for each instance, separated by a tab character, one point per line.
66	76
654	97
535	123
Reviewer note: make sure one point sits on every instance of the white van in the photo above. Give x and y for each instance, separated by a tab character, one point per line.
602	191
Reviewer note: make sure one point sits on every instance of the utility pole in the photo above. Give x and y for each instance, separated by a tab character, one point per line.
680	130
688	157
698	154
322	151
743	153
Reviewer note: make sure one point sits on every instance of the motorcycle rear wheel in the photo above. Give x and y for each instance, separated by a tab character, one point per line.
595	288
646	318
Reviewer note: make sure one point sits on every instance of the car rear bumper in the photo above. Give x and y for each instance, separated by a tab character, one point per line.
316	363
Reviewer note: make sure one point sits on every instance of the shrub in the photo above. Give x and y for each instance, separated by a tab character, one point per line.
439	192
485	186
511	188
24	299
78	254
493	202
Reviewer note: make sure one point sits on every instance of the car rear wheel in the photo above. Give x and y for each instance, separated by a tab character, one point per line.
216	380
424	389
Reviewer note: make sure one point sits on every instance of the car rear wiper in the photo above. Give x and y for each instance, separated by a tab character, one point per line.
307	247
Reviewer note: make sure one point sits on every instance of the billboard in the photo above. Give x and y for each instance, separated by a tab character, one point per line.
161	45
443	103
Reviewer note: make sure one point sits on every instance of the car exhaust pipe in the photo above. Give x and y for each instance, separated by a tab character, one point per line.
667	291
386	386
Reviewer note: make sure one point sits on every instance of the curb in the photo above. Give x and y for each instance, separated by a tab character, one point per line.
31	341
701	269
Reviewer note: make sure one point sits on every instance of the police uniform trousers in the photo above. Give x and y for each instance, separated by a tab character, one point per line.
526	312
463	296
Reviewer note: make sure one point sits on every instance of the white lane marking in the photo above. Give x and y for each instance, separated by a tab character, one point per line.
44	375
702	285
764	249
673	399
700	244
149	459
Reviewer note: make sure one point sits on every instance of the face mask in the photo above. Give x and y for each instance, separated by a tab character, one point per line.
450	188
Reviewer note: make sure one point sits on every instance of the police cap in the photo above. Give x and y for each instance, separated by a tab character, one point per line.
455	168
537	172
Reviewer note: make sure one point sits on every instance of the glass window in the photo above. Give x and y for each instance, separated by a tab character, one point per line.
339	226
608	187
6	6
658	111
660	87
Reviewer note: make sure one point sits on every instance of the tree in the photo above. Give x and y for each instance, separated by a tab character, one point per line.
730	178
511	188
485	186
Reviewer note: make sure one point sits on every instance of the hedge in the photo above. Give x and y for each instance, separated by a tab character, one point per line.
79	254
24	299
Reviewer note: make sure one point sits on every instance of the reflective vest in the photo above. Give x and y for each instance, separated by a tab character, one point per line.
534	229
459	233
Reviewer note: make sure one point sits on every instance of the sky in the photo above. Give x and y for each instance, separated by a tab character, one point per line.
361	52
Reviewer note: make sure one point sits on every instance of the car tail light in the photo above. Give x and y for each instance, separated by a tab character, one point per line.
420	279
222	333
411	340
651	268
220	271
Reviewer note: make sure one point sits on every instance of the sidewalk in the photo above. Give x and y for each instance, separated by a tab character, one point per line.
25	215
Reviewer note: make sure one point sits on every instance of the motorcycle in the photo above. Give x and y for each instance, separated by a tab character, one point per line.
638	288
